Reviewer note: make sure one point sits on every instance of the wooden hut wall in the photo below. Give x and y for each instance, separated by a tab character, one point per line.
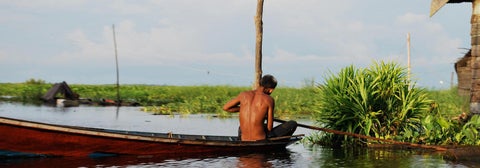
464	74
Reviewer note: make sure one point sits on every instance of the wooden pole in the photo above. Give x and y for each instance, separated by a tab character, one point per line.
258	46
451	80
408	57
116	63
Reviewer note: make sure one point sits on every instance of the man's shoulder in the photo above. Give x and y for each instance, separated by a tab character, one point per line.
268	97
265	97
248	92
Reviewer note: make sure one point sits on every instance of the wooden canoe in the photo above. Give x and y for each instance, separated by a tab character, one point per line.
60	140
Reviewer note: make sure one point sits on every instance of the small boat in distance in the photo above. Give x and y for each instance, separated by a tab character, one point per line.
34	138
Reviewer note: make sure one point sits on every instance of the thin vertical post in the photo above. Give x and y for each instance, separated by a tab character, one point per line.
451	80
116	63
408	57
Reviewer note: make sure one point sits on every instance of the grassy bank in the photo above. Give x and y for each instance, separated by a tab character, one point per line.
166	99
204	99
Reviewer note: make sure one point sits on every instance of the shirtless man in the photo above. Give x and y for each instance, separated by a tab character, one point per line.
255	106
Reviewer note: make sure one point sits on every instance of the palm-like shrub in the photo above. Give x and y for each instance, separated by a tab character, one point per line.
378	101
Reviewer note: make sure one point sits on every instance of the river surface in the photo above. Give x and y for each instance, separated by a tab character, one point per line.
133	119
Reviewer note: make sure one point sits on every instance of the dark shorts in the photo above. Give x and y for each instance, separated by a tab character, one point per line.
284	129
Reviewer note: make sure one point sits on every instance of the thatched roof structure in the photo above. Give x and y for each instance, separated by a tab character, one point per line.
61	88
464	73
437	4
458	1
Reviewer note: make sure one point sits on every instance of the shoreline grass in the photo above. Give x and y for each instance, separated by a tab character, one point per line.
205	98
159	99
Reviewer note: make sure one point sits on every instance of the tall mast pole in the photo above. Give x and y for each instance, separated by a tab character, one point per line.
116	63
258	46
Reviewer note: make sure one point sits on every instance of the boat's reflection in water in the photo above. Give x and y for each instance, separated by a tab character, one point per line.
247	160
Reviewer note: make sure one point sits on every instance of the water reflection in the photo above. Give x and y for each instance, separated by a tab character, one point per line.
370	157
273	159
277	159
253	160
131	118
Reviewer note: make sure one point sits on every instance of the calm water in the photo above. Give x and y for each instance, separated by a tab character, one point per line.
131	118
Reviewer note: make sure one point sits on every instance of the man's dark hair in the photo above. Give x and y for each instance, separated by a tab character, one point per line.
268	81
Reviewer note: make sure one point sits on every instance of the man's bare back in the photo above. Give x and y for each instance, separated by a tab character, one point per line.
255	107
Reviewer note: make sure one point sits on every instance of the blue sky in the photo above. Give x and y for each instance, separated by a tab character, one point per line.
212	42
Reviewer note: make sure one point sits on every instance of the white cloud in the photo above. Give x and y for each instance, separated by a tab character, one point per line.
411	18
86	51
433	37
132	7
308	37
167	44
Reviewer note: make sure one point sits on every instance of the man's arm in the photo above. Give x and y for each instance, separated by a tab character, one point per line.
271	108
232	105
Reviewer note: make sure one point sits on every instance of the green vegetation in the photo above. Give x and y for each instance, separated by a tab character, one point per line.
28	92
378	101
167	99
381	102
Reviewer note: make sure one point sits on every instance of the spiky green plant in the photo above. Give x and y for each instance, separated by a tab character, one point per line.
378	101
